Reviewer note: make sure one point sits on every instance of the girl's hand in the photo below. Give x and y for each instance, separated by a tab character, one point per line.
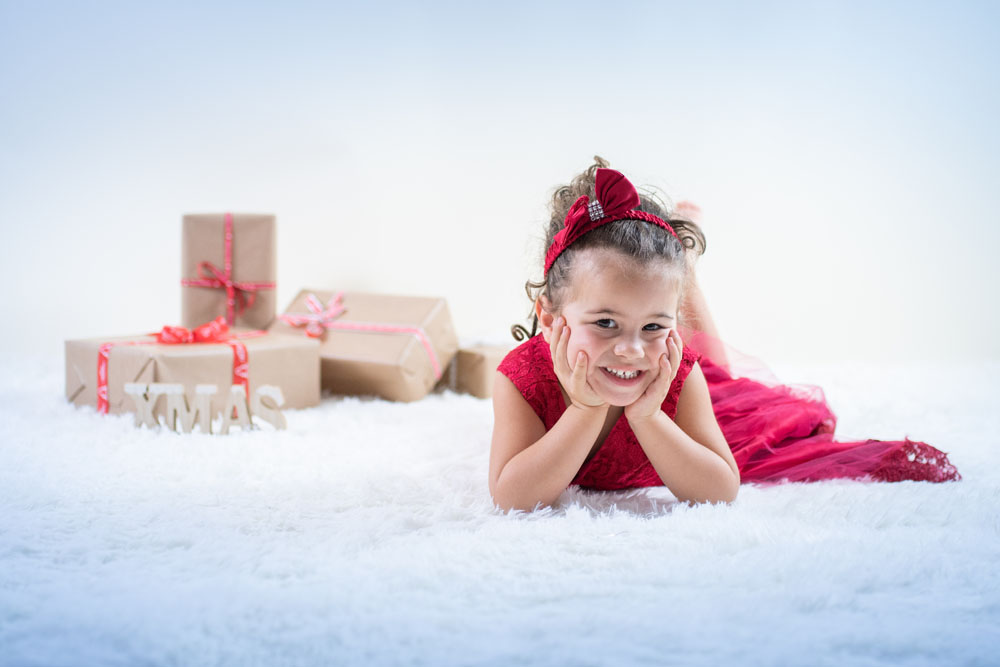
652	399
572	378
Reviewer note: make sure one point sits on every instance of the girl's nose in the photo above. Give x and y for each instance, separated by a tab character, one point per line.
628	349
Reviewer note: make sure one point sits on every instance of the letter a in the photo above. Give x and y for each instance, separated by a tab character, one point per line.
235	404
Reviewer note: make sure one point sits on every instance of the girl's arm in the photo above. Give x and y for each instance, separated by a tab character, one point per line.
527	465
689	452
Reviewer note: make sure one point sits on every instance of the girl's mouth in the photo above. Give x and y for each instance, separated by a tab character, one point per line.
622	375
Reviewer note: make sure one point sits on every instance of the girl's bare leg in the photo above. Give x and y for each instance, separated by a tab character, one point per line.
694	309
694	306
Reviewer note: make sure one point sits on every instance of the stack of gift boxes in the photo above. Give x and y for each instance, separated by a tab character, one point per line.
233	358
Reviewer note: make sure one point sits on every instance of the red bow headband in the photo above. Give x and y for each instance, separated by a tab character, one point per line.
615	199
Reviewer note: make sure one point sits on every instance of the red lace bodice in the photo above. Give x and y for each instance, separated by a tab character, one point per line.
620	462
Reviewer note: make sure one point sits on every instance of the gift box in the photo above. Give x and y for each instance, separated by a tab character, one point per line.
473	369
228	269
97	369
395	347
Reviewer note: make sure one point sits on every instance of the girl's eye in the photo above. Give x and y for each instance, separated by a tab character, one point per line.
652	327
605	324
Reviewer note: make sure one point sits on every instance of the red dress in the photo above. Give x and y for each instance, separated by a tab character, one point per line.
775	432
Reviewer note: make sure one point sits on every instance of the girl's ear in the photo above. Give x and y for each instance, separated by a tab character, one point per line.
546	316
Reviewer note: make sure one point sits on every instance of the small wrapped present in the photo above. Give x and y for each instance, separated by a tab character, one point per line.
473	369
98	369
396	347
228	269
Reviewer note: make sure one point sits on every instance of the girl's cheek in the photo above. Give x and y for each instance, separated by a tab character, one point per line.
657	347
581	340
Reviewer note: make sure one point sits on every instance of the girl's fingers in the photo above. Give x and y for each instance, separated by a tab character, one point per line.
563	342
665	377
674	348
579	386
579	377
652	398
557	347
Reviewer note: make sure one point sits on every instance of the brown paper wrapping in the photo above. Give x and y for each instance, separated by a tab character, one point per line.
394	366
291	363
203	240
474	369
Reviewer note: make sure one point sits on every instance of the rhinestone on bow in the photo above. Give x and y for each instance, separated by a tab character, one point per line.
595	210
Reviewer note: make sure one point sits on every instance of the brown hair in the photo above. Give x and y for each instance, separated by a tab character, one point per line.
641	241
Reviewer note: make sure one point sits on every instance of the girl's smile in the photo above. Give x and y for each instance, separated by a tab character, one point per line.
619	316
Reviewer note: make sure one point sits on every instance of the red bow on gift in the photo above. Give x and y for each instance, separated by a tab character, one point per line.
319	318
216	331
239	295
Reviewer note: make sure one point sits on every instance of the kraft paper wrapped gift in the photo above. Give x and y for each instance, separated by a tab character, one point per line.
473	369
395	347
228	268
288	362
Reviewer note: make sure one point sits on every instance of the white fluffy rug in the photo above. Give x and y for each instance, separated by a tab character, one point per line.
364	535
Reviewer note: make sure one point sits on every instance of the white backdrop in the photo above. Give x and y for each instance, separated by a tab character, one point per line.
845	157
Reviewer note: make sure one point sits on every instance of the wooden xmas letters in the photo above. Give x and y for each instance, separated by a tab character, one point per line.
181	414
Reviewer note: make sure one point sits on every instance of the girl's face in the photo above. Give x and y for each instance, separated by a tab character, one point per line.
619	315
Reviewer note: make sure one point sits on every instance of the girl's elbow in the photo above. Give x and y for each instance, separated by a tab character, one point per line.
501	501
508	501
507	505
730	490
728	485
725	493
731	493
734	486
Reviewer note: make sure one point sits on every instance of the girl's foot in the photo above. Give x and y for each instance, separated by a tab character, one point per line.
686	210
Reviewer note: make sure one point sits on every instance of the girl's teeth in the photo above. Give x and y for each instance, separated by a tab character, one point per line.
624	375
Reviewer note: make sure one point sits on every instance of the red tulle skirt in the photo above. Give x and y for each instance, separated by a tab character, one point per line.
779	432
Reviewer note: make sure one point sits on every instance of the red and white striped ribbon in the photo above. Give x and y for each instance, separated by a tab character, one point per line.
239	295
320	318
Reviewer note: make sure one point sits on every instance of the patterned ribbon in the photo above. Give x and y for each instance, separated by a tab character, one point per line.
320	318
239	295
213	332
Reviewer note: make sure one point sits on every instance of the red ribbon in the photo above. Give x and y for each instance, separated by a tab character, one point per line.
323	317
239	295
319	318
216	331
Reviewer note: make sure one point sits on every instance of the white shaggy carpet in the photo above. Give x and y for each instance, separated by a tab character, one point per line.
364	535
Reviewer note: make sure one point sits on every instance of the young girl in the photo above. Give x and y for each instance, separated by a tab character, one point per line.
616	394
